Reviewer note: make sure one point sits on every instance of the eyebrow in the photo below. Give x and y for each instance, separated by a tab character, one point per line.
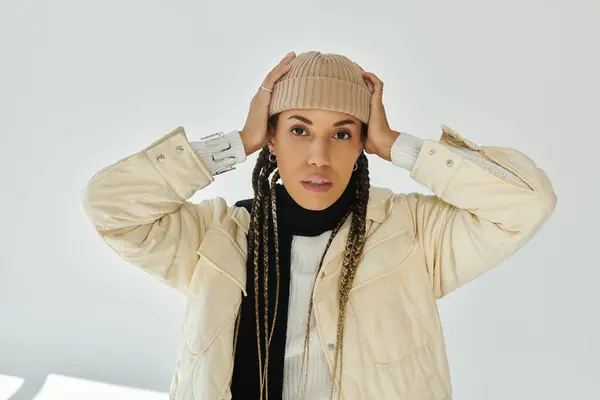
309	122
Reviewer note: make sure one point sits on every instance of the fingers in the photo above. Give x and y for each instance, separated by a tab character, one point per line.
280	70
377	113
375	82
365	78
369	84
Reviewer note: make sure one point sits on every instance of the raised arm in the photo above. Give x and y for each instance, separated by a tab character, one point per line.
139	206
487	203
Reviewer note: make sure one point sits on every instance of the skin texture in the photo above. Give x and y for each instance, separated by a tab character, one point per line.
312	141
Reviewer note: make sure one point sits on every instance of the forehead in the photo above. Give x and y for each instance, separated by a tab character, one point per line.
317	117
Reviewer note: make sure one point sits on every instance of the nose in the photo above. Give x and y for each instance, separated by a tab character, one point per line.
319	154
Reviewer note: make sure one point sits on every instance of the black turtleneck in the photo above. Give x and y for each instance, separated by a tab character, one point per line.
293	220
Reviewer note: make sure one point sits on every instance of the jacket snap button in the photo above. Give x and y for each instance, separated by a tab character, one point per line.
179	148
160	157
331	346
449	163
432	151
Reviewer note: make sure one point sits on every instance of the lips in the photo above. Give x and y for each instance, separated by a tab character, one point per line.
317	188
317	184
317	179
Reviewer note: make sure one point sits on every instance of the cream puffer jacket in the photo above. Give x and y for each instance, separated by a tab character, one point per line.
418	249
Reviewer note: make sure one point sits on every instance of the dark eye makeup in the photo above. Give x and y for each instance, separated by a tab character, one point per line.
294	129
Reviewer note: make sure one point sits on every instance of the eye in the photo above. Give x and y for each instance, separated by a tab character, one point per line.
339	135
294	130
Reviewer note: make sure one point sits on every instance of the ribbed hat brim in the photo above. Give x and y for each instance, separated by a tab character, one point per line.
321	93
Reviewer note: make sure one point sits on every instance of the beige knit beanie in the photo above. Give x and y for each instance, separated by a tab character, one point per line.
324	81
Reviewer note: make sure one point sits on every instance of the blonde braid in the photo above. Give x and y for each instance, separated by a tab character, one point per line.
254	241
265	203
355	248
276	244
310	304
264	198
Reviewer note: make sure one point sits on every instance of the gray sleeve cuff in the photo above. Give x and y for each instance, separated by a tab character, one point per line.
405	150
220	152
477	159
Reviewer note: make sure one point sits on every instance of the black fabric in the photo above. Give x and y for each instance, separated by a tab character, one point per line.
292	220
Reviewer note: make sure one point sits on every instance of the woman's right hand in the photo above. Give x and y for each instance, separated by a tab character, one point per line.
254	133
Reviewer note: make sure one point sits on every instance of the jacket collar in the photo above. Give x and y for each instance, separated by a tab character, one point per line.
380	204
378	208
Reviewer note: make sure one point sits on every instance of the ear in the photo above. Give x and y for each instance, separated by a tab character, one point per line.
360	153
270	139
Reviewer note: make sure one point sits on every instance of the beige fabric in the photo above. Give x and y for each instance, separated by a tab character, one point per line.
418	249
324	81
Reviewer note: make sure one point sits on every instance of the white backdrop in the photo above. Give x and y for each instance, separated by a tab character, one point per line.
83	84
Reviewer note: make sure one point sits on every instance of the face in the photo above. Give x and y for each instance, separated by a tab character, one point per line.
316	151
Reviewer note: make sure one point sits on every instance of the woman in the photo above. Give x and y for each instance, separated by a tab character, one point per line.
322	276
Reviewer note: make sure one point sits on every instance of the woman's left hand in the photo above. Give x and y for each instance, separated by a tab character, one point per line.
380	136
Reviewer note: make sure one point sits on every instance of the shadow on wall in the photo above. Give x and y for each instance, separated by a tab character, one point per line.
58	387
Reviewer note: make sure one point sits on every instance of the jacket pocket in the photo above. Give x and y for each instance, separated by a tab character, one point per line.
395	310
213	299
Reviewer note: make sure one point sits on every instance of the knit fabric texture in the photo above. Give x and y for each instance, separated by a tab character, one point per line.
322	81
305	257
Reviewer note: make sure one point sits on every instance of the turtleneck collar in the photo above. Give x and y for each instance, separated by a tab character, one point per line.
300	221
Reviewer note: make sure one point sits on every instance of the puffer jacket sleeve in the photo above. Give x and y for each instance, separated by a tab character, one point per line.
139	207
475	219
